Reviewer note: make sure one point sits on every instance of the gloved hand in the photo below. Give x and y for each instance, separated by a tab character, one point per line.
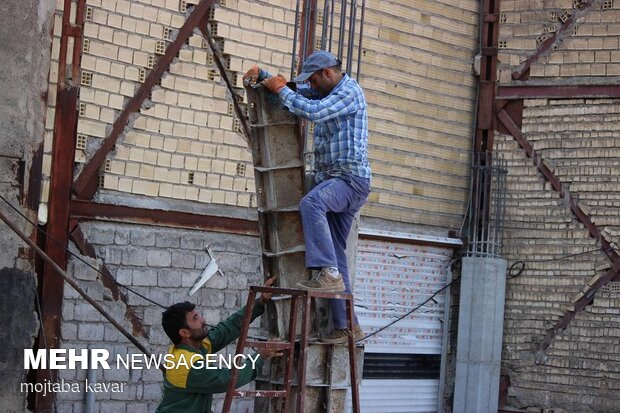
275	83
251	76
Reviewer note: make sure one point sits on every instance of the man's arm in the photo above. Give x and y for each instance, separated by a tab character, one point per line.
203	380
335	105
229	330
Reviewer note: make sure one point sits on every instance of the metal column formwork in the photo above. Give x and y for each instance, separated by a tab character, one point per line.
277	152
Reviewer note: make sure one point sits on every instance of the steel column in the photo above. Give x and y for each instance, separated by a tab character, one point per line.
51	284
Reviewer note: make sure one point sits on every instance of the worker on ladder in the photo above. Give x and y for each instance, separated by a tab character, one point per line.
189	386
336	104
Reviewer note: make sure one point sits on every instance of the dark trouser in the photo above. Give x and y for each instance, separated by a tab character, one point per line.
327	212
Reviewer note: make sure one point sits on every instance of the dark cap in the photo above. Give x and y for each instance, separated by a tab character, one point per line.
316	61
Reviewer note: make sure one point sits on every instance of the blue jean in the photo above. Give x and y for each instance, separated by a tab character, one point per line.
327	213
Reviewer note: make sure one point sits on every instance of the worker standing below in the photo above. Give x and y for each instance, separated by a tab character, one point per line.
336	104
190	384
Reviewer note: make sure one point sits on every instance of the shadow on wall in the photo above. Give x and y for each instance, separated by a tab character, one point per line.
18	328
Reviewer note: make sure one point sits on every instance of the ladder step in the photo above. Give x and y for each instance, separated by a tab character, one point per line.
290	165
261	393
275	345
292	250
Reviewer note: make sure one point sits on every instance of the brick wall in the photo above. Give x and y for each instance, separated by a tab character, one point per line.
578	139
185	144
416	70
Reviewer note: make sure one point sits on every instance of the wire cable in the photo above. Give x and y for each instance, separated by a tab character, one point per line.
519	266
416	308
110	277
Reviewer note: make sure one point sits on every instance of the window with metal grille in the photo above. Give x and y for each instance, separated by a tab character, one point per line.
401	366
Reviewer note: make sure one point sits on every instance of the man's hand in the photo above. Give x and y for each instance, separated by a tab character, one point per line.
275	83
264	297
251	76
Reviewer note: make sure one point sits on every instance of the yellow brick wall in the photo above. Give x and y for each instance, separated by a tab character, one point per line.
589	48
579	139
416	71
185	143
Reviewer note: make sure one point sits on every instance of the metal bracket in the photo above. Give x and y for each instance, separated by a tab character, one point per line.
210	270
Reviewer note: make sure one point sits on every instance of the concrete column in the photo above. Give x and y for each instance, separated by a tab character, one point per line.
479	345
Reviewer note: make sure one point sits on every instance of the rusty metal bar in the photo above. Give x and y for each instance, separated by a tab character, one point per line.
341	29
488	76
352	359
295	35
86	248
515	92
87	210
351	44
523	70
52	288
302	360
69	280
578	305
288	372
558	186
259	393
78	39
218	62
274	345
234	373
85	185
359	46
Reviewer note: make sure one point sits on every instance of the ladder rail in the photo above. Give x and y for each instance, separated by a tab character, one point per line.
247	318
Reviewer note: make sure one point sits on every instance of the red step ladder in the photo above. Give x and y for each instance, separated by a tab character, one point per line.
305	297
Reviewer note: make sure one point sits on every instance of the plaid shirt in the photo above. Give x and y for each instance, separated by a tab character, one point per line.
340	131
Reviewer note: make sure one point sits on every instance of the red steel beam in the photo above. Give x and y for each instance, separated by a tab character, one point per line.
578	305
87	210
523	70
557	185
515	92
85	185
63	156
52	285
488	76
610	275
